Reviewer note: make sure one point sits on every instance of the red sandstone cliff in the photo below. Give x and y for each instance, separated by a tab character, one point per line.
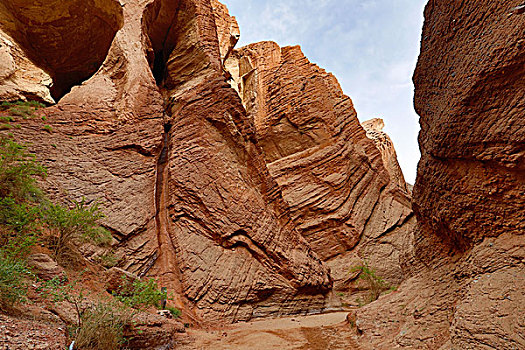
158	135
469	196
333	178
239	178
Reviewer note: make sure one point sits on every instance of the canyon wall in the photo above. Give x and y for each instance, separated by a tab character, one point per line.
333	177
241	180
152	130
469	197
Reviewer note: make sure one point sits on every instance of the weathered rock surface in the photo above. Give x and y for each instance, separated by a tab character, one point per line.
333	177
117	280
469	196
160	138
67	39
374	131
44	267
20	79
19	333
153	332
228	31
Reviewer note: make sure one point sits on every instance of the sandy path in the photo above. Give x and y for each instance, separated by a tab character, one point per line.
318	332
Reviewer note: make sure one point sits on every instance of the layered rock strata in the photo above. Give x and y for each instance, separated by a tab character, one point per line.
333	177
160	138
469	196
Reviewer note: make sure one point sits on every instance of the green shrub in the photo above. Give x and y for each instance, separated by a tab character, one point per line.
176	313
17	171
48	128
102	328
67	225
375	284
141	294
13	276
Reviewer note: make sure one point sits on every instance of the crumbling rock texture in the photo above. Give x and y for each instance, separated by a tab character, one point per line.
160	138
471	179
228	31
469	196
333	177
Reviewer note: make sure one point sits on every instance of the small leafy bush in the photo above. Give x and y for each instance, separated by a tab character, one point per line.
375	284
19	225
18	169
67	225
13	277
141	294
176	313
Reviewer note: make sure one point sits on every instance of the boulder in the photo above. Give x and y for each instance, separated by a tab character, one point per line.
45	267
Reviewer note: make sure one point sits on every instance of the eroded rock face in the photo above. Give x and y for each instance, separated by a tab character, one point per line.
374	131
20	79
469	194
160	138
471	182
67	39
333	177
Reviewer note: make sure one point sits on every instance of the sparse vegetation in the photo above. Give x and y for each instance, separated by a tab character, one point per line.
375	284
108	260
24	109
25	214
18	169
67	225
48	128
99	326
102	328
13	280
176	313
141	294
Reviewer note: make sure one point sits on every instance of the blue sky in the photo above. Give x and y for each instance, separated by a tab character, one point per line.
370	45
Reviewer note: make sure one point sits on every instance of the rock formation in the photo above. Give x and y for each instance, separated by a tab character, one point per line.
469	194
333	178
243	181
160	138
374	131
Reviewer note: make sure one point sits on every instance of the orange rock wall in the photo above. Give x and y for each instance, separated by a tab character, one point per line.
469	197
332	176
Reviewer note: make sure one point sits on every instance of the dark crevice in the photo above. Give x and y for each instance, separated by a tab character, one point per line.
159	67
162	35
162	161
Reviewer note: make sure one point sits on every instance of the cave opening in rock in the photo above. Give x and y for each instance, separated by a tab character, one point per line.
80	41
159	67
160	22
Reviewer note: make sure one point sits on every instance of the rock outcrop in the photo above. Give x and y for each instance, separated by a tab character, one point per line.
374	131
469	196
160	138
333	178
